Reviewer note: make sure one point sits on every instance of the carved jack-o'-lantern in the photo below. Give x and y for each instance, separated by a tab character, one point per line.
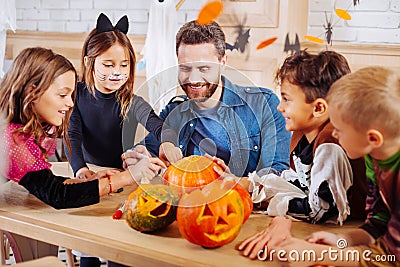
229	184
210	217
151	207
191	172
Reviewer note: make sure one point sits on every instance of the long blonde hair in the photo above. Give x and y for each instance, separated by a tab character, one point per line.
95	45
30	75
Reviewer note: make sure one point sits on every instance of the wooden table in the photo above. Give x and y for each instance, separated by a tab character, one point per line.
92	230
42	262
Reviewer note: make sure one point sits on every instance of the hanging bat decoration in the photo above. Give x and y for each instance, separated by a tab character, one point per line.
242	39
241	42
291	48
355	2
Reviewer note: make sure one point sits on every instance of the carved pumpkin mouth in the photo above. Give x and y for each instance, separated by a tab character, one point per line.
223	226
161	210
224	236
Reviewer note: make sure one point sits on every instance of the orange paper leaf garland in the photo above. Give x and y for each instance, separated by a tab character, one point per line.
314	39
343	14
266	43
209	12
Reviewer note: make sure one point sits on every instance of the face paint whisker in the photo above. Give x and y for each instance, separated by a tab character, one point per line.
100	76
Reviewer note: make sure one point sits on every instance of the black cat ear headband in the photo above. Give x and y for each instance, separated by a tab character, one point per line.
104	24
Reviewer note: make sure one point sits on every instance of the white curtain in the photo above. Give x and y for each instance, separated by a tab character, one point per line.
7	21
159	53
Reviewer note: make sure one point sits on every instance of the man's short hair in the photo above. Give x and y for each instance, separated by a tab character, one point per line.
192	33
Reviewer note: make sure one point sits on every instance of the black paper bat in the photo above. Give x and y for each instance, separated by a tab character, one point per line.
243	35
355	2
241	42
292	48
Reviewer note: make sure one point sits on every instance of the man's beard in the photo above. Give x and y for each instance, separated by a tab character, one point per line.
200	96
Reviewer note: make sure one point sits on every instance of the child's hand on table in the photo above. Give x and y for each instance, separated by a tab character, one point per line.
276	233
323	237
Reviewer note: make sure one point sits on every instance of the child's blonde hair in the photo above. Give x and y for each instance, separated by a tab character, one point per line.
30	75
95	45
368	98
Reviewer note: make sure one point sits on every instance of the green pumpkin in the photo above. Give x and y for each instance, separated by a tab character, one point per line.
151	207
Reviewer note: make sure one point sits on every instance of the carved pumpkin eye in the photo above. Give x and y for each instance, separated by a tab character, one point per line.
142	201
151	207
207	211
230	210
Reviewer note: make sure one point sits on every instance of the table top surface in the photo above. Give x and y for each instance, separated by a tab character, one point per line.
42	262
92	230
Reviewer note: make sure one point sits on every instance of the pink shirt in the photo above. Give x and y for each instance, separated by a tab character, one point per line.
24	155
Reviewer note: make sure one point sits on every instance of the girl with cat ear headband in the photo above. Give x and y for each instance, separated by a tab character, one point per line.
105	99
105	105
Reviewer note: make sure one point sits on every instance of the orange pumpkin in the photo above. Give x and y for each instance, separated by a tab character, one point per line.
247	201
210	217
190	173
245	196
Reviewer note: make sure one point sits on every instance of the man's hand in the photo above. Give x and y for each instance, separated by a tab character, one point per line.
223	169
225	173
169	153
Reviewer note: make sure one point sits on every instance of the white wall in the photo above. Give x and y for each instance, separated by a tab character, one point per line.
81	15
373	21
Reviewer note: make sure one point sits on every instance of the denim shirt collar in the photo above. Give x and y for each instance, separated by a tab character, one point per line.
230	96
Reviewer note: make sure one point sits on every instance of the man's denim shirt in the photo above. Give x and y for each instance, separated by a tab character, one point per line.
258	138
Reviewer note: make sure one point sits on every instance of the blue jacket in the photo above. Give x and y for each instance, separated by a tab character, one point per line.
258	138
